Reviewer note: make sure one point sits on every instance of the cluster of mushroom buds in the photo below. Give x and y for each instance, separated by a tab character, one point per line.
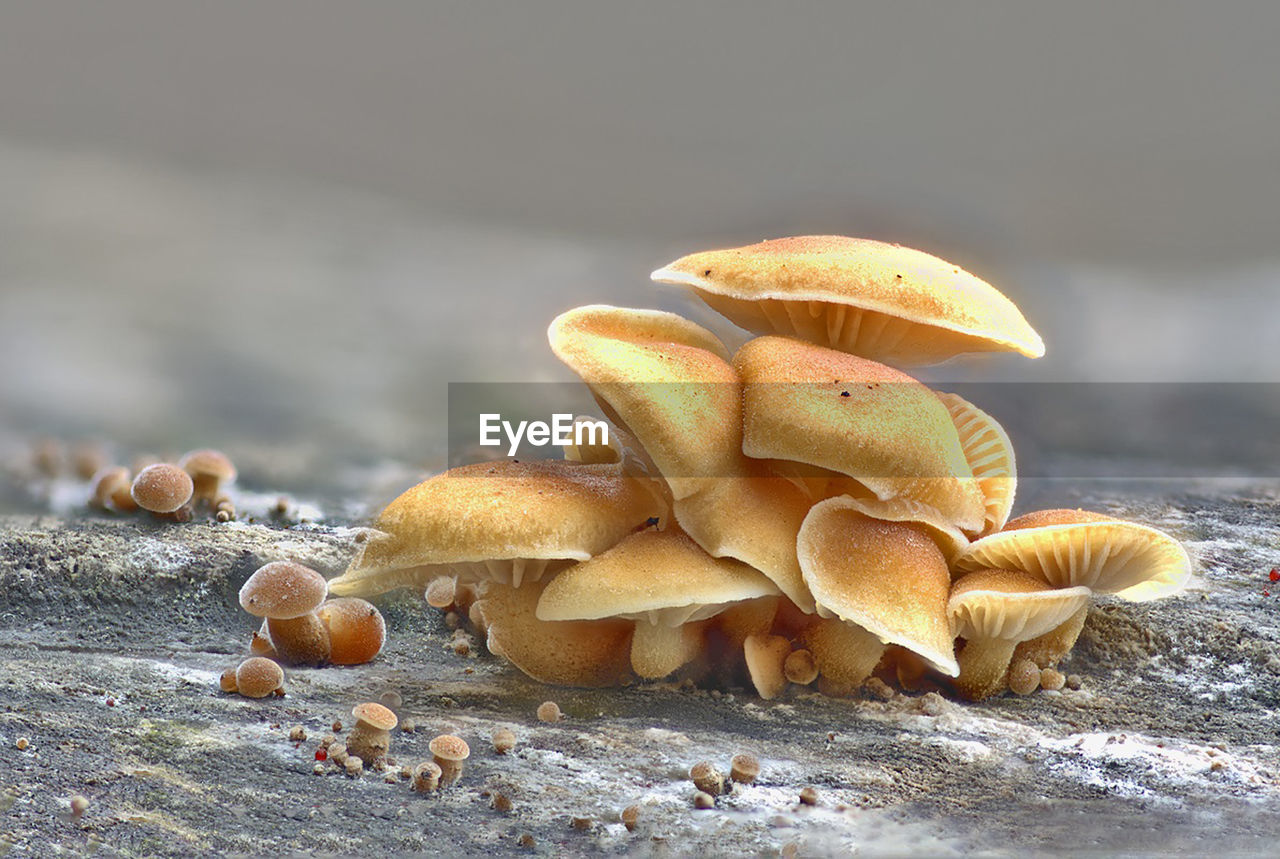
166	490
301	627
798	512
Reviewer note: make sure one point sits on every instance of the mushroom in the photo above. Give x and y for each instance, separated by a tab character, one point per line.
766	657
993	610
804	403
744	768
161	488
590	653
800	667
287	594
209	470
258	677
989	452
370	739
845	654
355	629
426	776
111	487
665	583
1068	548
887	578
885	302
504	521
668	382
449	753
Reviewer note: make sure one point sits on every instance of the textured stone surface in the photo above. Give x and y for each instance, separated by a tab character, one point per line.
114	631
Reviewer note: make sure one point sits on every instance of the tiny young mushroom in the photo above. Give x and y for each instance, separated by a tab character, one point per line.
766	657
370	739
287	595
1078	548
356	630
210	470
449	753
111	488
665	583
162	489
426	776
258	677
994	610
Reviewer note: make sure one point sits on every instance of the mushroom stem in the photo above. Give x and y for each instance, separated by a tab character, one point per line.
1052	647
658	649
300	640
984	667
368	742
845	653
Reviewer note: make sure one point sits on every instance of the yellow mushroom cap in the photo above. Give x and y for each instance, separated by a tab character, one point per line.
258	677
879	426
208	464
989	452
885	302
447	747
589	653
1068	548
888	578
375	715
660	576
161	488
662	378
1010	605
500	511
282	590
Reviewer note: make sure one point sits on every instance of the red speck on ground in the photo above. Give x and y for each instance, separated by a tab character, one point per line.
1274	576
321	755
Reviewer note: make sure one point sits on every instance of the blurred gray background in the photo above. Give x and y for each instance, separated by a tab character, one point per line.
283	227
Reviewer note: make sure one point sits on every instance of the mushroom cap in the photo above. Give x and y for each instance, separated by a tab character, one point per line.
208	463
447	747
660	576
258	677
1068	548
162	488
357	630
375	715
107	481
753	519
282	589
498	511
813	405
885	302
662	378
1010	605
887	577
989	452
591	653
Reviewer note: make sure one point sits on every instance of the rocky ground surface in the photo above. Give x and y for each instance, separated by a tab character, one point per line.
114	630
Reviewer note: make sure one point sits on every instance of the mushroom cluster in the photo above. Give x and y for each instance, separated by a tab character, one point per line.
800	512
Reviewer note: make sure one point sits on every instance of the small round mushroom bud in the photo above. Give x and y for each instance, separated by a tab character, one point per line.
87	459
79	805
582	824
48	456
439	593
703	800
744	768
338	753
426	776
549	711
356	630
1052	679
370	739
227	682
111	487
209	470
258	677
287	595
809	796
391	699
21	744
336	727
452	620
630	817
450	753
526	840
161	488
408	726
1024	677
298	734
318	769
504	740
707	778
501	802
354	766
800	667
1074	681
